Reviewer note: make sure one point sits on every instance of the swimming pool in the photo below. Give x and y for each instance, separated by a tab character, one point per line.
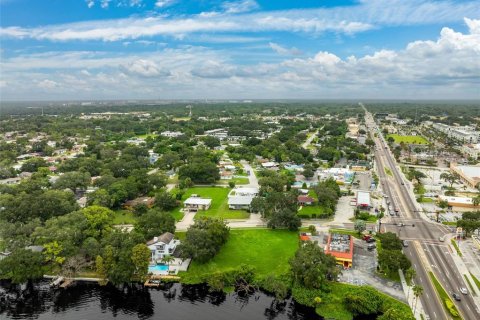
158	269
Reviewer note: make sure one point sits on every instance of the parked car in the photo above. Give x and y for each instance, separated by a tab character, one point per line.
456	296
405	243
371	246
463	290
370	240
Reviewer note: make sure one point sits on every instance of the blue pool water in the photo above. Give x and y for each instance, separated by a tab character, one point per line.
159	268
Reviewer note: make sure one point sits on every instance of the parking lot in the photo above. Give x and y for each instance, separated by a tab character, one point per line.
363	272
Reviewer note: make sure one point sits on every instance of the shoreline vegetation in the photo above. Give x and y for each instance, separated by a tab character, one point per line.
258	259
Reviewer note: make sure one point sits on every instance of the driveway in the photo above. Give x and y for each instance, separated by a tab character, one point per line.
252	179
309	140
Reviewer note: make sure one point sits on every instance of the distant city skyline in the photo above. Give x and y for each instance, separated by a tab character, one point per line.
246	49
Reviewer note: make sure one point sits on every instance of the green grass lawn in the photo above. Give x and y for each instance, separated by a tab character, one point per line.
124	217
455	245
311	210
145	136
388	171
219	207
346	231
443	295
408	139
266	250
238	181
449	223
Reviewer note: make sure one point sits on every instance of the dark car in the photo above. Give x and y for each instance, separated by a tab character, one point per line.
456	296
370	240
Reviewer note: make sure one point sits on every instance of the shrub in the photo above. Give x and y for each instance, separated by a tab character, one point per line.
451	307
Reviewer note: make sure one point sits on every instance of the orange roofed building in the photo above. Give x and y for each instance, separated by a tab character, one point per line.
341	247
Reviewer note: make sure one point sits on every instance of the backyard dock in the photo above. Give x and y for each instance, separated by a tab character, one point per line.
156	280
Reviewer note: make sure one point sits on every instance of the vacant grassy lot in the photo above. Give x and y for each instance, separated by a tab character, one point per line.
311	210
408	139
124	217
266	250
333	306
236	180
219	207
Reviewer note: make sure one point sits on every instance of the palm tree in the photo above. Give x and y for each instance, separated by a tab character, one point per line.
417	292
167	259
476	200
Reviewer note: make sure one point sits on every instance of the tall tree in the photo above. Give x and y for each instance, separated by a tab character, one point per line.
140	258
154	223
311	267
22	265
204	239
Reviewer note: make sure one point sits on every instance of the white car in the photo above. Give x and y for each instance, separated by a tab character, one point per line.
463	290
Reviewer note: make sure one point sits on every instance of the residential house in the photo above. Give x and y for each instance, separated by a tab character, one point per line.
241	198
305	200
171	134
195	203
240	202
130	204
226	175
161	246
244	192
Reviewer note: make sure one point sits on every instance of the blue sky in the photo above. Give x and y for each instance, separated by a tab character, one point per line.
172	49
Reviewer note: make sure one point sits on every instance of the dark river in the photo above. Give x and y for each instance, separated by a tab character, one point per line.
86	301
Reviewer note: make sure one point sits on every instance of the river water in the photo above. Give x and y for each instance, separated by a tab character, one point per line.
86	301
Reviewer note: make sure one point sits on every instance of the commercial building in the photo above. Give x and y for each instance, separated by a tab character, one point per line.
465	134
472	150
470	175
340	175
363	200
463	202
340	246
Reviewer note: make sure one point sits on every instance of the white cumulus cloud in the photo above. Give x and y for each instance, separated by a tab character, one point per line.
240	6
144	68
284	51
47	84
164	3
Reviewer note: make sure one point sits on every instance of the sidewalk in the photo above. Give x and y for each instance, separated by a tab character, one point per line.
473	267
410	297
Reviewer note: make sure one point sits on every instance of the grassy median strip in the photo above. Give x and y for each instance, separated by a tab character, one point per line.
470	285
475	280
454	243
389	172
447	302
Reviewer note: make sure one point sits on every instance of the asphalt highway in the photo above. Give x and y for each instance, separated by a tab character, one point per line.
426	251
